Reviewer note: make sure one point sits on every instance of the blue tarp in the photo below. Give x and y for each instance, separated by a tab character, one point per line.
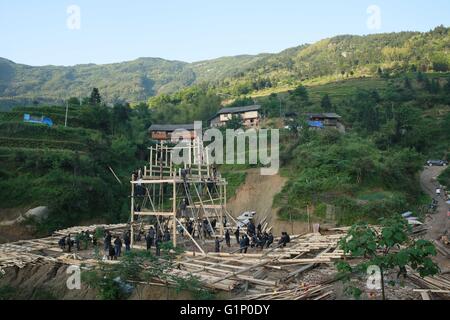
316	124
42	120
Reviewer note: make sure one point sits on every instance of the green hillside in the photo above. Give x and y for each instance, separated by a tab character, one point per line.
67	168
328	60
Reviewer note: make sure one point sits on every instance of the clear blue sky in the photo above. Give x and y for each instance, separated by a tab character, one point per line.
36	33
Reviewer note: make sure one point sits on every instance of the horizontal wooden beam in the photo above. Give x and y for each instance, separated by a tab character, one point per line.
152	213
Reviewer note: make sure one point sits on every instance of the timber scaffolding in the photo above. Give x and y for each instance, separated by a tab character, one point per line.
157	192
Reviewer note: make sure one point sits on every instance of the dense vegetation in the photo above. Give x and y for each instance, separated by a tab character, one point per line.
328	60
372	171
67	168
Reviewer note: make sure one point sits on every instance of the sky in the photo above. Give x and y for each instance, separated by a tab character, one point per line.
60	32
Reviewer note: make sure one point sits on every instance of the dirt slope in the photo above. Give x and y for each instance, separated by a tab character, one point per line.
257	194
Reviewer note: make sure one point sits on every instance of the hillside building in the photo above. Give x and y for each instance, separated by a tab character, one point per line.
250	115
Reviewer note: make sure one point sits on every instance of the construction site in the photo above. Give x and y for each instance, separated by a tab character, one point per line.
186	204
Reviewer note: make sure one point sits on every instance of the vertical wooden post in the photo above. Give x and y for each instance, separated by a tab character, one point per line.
207	161
221	210
174	213
151	161
132	211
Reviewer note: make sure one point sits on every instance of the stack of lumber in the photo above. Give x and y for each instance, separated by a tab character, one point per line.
12	256
317	292
75	230
251	270
437	282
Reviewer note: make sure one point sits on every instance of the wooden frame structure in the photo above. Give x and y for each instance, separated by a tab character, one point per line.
156	191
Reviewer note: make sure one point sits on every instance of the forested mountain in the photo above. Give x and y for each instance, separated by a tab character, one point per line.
330	59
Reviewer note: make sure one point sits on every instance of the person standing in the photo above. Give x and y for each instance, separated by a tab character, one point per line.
158	246
69	243
118	246
227	238
217	245
183	207
127	241
150	238
237	234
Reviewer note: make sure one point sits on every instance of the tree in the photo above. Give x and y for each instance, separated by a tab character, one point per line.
407	83
435	86
235	122
447	87
73	102
95	98
390	248
300	92
326	103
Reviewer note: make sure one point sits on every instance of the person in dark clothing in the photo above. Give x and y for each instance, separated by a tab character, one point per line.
166	237
184	173
127	241
254	241
118	246
284	239
205	227
251	228
237	234
269	240
112	253
217	244
213	224
288	238
242	245
108	239
190	227
158	246
247	243
264	239
259	228
69	243
62	243
77	242
150	238
227	238
139	236
183	207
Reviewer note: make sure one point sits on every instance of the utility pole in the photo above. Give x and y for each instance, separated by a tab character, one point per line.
67	111
281	113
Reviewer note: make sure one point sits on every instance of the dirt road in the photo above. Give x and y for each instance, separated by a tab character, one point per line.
438	223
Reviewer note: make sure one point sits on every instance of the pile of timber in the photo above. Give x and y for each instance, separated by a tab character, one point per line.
76	230
437	282
252	270
220	271
317	292
14	256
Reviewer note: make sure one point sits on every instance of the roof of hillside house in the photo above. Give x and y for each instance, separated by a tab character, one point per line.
171	127
239	109
324	115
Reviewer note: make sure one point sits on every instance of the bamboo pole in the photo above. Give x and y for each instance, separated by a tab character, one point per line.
132	212
174	214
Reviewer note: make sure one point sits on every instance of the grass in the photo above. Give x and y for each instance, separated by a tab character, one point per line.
234	180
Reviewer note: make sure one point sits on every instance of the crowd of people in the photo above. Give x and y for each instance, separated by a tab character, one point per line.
254	237
79	241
